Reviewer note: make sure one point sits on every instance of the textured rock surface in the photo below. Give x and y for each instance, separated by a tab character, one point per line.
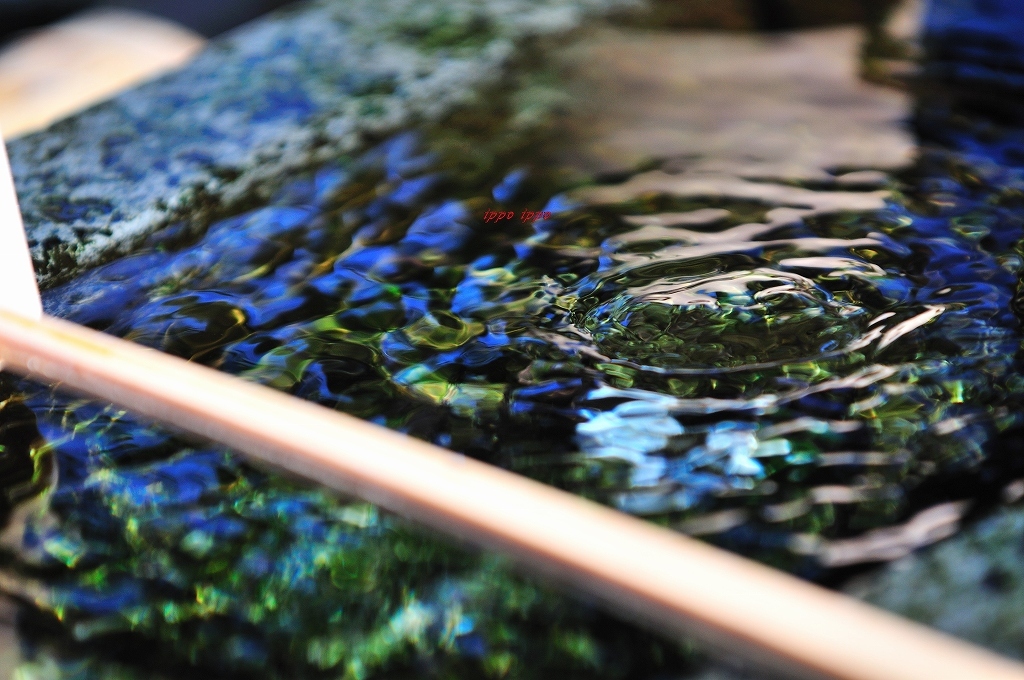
287	92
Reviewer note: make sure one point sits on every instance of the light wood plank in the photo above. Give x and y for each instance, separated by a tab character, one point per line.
74	64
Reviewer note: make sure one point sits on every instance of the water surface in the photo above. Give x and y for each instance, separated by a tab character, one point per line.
779	375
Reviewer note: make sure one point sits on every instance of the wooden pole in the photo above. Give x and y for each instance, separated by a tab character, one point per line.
655	575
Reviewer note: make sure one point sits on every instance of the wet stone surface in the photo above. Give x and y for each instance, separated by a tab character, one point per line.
281	95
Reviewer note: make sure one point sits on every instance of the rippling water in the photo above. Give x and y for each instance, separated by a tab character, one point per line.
799	381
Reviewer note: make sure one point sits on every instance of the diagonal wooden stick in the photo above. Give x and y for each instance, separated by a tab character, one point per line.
654	575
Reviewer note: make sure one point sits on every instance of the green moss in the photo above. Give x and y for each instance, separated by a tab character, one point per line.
446	29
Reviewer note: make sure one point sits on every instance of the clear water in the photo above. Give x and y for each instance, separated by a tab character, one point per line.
776	388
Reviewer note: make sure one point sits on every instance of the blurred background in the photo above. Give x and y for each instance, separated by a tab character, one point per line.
204	17
59	56
212	18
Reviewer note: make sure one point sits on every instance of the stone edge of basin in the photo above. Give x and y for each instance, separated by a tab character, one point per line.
287	92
